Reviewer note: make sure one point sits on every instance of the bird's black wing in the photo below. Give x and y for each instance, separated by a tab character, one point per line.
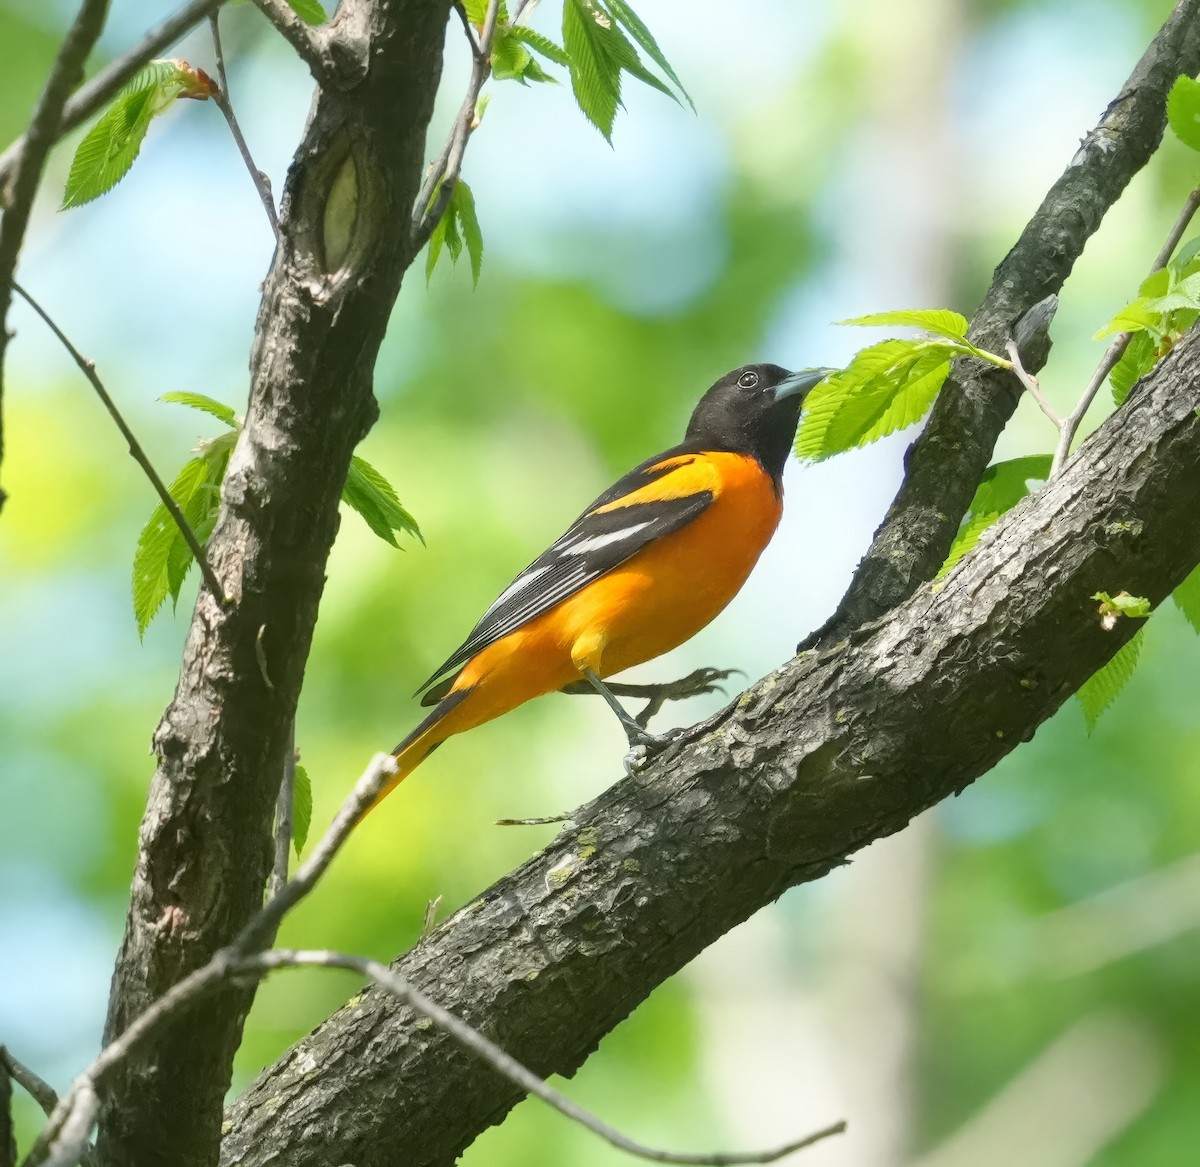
607	534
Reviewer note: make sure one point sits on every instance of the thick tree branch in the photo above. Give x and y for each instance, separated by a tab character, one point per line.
944	465
832	751
205	844
16	198
88	98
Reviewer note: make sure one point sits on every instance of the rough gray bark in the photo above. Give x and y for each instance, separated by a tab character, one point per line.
944	465
205	842
832	751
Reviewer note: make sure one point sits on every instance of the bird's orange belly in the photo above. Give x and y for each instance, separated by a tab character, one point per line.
649	605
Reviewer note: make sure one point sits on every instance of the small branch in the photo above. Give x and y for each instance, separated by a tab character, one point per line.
1116	350
36	1087
366	790
225	105
139	455
283	817
1031	383
70	1143
297	34
503	1063
466	23
443	174
88	98
16	198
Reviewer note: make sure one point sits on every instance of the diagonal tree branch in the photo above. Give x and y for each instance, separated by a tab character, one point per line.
943	466
17	198
205	844
832	751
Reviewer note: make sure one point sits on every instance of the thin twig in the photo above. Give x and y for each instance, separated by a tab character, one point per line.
544	821
508	1066
88	98
17	199
225	104
36	1087
466	23
139	455
261	929
1116	350
430	921
71	1142
297	34
1031	383
283	816
443	174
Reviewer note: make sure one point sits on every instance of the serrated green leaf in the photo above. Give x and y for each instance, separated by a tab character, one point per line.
534	72
539	44
1187	599
1134	317
510	58
374	498
1006	483
156	546
1140	356
310	11
595	77
437	240
940	321
1183	111
209	405
967	539
640	33
302	806
464	205
887	387
1102	688
111	146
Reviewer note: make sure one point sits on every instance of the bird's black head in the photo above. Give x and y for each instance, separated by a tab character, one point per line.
753	410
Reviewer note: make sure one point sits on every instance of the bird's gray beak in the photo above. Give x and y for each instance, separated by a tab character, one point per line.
801	382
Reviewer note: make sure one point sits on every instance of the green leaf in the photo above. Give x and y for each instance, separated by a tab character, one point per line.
595	76
157	545
1134	317
1187	598
1186	253
640	33
437	240
302	807
374	498
1123	604
967	539
887	387
459	224
217	409
1101	689
310	11
111	146
1006	483
509	58
464	206
939	321
1140	356
539	44
1183	111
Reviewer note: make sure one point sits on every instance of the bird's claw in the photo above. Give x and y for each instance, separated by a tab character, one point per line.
646	746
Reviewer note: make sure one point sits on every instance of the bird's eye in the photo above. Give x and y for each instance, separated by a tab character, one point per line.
748	380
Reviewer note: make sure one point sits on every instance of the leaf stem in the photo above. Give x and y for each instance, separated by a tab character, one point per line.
1031	383
225	104
88	369
443	174
1116	350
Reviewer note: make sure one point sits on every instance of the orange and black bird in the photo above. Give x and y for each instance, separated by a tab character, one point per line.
643	569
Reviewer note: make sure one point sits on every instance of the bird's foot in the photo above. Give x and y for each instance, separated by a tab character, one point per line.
698	683
645	746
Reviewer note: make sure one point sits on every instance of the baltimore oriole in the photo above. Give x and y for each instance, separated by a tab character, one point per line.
643	569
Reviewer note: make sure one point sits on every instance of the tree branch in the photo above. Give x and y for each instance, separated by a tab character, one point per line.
944	464
17	198
304	40
205	846
88	98
88	369
830	752
35	1086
